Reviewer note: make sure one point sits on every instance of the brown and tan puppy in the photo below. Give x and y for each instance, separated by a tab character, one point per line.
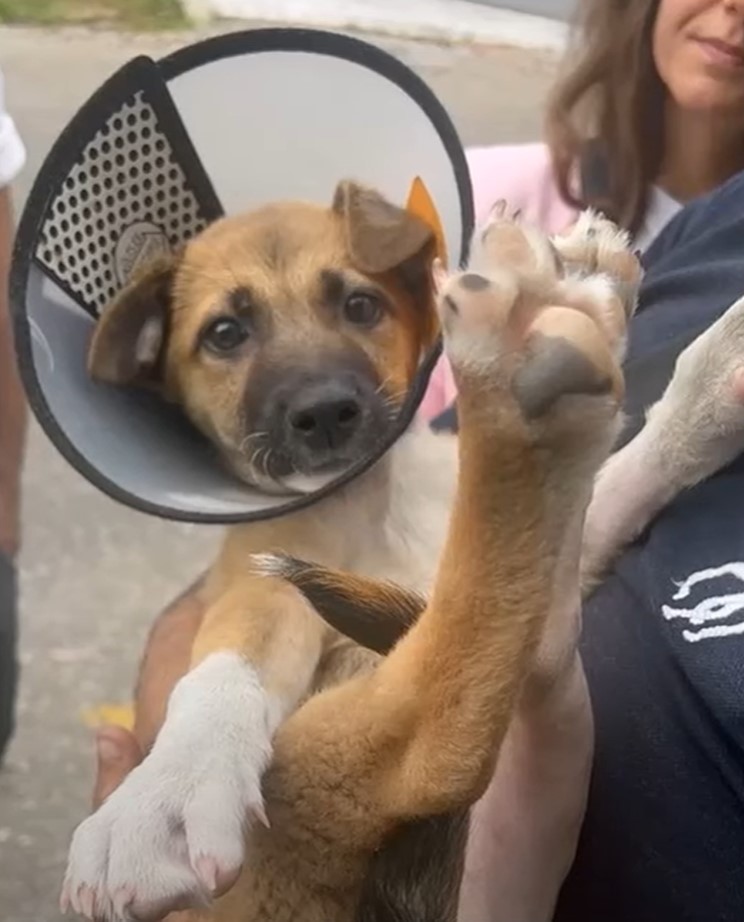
415	734
287	335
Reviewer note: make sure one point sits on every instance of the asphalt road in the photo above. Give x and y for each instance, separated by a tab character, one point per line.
93	573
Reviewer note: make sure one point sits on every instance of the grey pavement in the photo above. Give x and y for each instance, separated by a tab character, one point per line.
94	573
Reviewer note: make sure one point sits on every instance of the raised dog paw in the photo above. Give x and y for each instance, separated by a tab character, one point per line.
504	333
173	834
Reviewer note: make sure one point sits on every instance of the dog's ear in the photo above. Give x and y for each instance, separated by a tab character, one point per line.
129	339
379	235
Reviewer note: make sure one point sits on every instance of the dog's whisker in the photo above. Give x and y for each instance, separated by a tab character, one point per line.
253	461
246	440
380	389
266	461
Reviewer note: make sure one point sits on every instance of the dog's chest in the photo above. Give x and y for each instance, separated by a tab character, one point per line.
406	549
402	532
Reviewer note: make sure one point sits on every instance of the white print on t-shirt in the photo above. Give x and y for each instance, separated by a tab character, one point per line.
713	609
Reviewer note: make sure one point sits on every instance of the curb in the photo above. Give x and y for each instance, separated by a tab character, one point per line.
442	21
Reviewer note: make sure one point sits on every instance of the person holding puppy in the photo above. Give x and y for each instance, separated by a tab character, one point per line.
667	79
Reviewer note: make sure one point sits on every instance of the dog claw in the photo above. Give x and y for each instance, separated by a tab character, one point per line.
87	901
123	898
500	211
259	811
206	869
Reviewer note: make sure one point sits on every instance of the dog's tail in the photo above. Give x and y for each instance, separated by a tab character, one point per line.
372	613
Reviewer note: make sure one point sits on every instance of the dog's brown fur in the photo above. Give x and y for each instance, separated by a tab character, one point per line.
414	736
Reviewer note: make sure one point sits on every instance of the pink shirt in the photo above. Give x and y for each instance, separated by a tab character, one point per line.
522	174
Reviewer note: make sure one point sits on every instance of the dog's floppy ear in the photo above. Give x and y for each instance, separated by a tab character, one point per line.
373	613
380	236
128	341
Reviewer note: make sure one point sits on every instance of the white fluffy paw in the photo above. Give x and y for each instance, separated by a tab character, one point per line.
173	834
593	232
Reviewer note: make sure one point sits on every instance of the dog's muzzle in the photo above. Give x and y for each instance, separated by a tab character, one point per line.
321	423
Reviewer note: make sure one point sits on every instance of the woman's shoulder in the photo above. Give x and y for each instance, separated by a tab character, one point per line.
523	175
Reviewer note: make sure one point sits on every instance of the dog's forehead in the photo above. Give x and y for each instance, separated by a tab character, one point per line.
278	251
275	237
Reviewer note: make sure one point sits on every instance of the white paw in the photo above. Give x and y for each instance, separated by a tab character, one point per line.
592	227
173	833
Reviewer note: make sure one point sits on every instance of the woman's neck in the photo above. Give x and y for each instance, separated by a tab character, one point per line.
703	150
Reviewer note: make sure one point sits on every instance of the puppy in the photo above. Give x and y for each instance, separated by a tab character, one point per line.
361	747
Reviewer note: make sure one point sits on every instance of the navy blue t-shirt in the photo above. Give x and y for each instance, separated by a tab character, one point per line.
663	648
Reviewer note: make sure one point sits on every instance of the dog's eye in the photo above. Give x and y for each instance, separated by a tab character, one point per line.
224	335
363	309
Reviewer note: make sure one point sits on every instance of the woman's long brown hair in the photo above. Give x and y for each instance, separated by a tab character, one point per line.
608	106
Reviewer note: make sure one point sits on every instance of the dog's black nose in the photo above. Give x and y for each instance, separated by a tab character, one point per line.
324	418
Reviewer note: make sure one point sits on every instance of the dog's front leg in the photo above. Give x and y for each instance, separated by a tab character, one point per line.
694	430
525	829
172	835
